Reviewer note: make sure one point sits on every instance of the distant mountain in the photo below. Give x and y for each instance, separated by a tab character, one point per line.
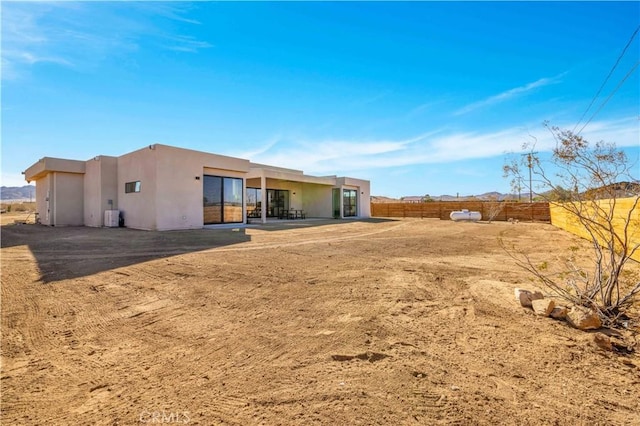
487	196
381	199
27	192
617	190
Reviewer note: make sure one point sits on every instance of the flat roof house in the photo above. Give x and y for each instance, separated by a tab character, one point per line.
161	187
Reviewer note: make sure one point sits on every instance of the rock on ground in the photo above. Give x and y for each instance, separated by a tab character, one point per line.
583	318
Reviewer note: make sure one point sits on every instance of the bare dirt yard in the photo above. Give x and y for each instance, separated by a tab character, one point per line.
308	322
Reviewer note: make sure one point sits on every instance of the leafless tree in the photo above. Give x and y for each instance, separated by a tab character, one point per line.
493	208
587	181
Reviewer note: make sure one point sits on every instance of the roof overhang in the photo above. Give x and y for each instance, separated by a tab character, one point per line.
47	165
292	176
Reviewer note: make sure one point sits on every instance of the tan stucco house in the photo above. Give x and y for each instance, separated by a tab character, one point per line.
161	187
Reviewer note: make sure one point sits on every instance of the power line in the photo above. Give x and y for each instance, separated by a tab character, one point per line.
606	79
609	97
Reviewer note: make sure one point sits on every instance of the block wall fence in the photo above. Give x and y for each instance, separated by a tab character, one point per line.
563	219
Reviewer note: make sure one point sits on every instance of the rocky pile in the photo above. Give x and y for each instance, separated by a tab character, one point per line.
577	316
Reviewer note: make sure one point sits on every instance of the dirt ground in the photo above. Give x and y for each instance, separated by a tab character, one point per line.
307	322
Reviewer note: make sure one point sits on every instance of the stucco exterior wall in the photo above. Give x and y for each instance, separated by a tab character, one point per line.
170	196
59	190
295	200
179	197
100	186
68	199
364	194
317	200
92	191
138	208
43	188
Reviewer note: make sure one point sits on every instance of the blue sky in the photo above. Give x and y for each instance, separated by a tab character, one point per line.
418	97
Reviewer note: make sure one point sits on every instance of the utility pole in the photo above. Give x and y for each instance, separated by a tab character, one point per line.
530	184
530	166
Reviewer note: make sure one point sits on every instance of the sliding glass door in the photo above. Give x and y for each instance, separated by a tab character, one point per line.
222	200
349	202
254	202
277	203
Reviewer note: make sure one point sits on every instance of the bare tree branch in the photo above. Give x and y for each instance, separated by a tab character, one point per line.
587	181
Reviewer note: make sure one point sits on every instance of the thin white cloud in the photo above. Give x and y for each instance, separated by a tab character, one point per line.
183	43
422	108
623	132
254	153
83	34
428	106
509	94
327	156
336	156
168	10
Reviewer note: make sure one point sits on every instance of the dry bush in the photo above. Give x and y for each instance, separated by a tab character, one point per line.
594	175
493	208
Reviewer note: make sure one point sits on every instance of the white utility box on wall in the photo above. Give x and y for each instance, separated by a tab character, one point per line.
112	218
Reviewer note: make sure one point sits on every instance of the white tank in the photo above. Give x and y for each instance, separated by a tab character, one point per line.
465	215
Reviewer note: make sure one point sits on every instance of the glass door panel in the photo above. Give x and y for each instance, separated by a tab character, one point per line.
254	197
349	203
222	200
212	199
232	193
336	203
277	203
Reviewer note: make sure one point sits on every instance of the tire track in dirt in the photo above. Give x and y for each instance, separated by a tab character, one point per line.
248	337
20	308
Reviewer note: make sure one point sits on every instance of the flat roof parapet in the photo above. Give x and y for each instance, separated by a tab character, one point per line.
275	168
48	165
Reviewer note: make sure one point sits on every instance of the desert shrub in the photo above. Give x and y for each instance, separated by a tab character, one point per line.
598	176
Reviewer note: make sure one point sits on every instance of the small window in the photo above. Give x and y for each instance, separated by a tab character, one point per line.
132	187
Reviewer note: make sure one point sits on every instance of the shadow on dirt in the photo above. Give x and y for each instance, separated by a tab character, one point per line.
72	252
280	225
